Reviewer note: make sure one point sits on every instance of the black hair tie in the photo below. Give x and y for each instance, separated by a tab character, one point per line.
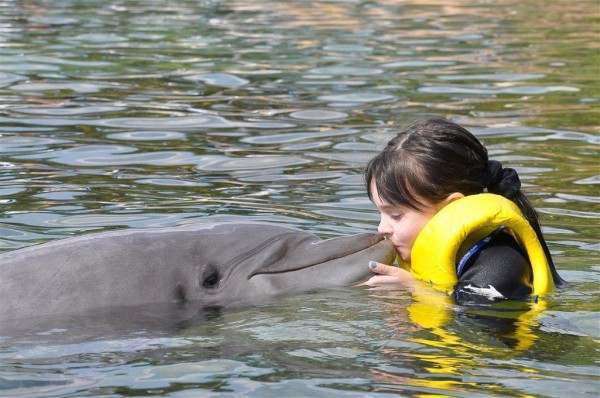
501	181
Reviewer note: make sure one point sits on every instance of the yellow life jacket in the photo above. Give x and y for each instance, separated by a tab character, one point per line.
458	226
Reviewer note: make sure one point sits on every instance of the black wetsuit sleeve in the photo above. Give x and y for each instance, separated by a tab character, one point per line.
500	270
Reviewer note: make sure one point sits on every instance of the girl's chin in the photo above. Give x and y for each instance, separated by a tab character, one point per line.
404	257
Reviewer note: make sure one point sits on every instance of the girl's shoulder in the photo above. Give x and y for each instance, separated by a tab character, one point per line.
499	270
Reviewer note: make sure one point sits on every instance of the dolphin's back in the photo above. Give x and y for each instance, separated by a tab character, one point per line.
74	274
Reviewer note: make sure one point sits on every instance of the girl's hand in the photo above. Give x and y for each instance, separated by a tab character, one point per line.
387	274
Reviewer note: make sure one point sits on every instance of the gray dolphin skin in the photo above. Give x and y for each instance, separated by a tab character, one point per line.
220	264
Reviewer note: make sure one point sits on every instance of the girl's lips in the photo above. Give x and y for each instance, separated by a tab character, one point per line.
399	253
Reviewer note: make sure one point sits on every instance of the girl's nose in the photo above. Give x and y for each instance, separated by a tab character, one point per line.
384	228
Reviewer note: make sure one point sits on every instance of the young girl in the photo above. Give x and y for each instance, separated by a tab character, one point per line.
458	220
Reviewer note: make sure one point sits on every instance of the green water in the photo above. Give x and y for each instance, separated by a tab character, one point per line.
154	113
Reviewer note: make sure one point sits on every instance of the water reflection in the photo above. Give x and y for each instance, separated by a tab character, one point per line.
67	111
182	122
147	136
219	79
523	90
453	346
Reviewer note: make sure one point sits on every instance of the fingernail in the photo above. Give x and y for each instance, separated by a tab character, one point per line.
372	264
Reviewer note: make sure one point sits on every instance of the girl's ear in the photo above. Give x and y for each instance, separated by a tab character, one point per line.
452	197
449	199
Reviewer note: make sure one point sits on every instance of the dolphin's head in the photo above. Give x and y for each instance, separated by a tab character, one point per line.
265	260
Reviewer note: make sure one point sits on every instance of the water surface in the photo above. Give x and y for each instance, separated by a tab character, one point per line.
141	114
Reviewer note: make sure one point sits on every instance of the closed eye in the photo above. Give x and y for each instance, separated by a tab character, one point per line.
211	278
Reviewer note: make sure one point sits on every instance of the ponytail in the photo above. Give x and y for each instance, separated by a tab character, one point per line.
506	182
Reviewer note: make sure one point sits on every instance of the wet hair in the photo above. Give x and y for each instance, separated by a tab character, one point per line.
425	163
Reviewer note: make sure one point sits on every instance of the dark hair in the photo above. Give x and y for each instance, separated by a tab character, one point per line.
433	158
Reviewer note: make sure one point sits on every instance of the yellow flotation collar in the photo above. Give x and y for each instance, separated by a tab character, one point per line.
461	223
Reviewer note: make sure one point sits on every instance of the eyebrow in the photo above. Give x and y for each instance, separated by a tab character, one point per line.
388	207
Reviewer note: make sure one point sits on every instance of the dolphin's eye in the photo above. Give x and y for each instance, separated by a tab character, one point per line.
211	278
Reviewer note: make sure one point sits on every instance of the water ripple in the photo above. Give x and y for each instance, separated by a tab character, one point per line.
9	78
41	59
27	67
520	90
91	221
346	71
150	123
185	122
569	213
578	198
117	155
253	163
52	20
9	191
356	97
78	86
147	136
317	114
67	110
502	77
104	38
15	144
218	79
292	177
536	133
294	137
171	182
348	48
589	181
417	64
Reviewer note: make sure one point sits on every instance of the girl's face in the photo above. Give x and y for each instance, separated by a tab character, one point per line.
401	224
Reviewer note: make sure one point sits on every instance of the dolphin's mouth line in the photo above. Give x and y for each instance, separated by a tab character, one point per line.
256	250
275	272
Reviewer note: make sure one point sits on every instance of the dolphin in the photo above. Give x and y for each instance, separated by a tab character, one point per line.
204	264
